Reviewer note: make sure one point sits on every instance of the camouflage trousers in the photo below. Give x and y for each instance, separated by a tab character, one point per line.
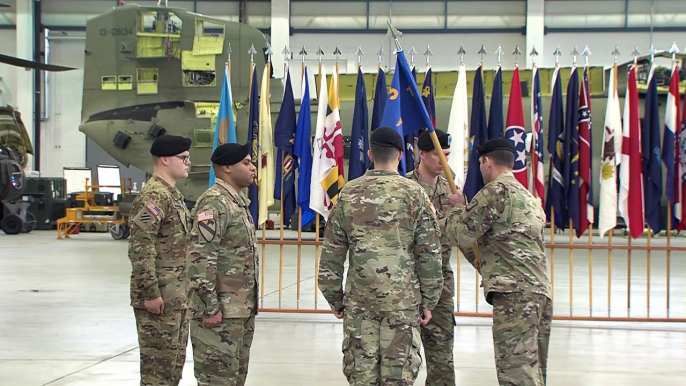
381	348
438	339
521	334
162	340
221	354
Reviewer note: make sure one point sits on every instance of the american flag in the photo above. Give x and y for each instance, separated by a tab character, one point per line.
537	177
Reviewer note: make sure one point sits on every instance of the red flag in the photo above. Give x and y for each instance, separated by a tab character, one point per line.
631	176
515	129
585	192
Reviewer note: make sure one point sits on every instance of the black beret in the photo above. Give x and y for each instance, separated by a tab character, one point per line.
495	145
426	144
169	145
230	153
387	137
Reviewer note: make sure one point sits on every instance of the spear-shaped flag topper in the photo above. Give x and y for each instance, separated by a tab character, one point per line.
461	52
586	53
673	49
303	53
380	53
269	53
516	53
482	52
337	52
286	54
428	54
533	54
574	54
320	53
615	53
653	51
635	53
412	53
359	54
396	35
252	51
228	53
557	54
500	53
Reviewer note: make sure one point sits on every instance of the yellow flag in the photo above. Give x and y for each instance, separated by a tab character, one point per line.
265	168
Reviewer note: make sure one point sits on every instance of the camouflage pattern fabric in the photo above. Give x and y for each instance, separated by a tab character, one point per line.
387	224
438	336
521	334
506	222
221	354
223	271
223	261
159	224
162	340
381	348
157	251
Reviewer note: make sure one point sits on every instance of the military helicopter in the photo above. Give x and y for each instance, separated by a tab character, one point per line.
155	70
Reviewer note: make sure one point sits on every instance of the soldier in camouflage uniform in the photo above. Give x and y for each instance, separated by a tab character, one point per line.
506	221
438	336
159	224
223	272
388	226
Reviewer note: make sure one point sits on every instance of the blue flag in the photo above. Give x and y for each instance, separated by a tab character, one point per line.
303	152
253	132
410	137
380	98
359	141
555	199
224	118
652	167
284	138
479	134
495	115
570	166
404	96
428	96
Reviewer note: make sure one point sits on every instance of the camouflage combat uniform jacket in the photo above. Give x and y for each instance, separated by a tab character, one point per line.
159	224
223	261
387	224
507	222
439	198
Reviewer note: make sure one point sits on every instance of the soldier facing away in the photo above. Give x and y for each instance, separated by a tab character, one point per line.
157	249
507	222
223	272
387	225
438	336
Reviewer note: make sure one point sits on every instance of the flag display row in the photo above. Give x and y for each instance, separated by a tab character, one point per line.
565	190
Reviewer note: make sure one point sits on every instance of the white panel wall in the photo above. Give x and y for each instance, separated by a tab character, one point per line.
63	145
8	85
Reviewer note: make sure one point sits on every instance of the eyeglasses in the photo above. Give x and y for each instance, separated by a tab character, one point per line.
183	158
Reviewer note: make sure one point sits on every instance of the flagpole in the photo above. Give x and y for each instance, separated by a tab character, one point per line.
672	50
557	54
286	54
320	53
586	53
615	54
303	53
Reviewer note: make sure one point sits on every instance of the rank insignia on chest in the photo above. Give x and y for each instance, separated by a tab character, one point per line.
207	226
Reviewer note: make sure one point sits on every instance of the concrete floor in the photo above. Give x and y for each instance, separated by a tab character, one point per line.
65	320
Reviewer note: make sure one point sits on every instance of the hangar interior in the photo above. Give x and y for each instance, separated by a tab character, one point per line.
619	301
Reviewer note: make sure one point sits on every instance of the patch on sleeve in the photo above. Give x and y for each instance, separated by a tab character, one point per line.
147	216
207	225
472	204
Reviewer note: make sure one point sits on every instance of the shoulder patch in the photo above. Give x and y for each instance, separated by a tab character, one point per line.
207	225
148	215
472	204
